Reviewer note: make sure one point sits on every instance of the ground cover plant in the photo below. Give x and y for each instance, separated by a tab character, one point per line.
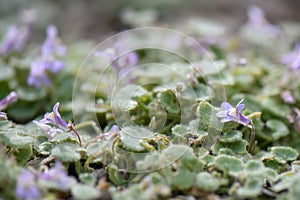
152	113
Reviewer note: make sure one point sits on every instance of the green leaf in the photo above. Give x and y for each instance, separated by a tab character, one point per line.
238	147
252	187
279	128
64	138
23	155
284	154
116	176
203	92
184	154
182	179
30	93
169	101
5	124
45	148
294	189
255	167
271	175
231	136
123	100
87	178
280	110
207	114
6	73
229	164
208	67
133	136
85	192
15	136
207	182
66	152
194	129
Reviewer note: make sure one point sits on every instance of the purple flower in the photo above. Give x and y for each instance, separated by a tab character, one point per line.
293	58
122	63
9	99
51	45
287	97
47	62
38	72
49	131
26	187
15	39
229	113
38	76
257	20
54	118
56	175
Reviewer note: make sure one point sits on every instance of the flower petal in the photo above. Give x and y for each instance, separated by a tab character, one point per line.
226	106
240	107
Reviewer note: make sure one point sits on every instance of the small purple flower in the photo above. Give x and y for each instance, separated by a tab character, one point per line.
54	118
26	187
122	63
58	176
47	62
287	97
49	131
292	59
257	20
15	39
38	76
9	99
229	113
51	45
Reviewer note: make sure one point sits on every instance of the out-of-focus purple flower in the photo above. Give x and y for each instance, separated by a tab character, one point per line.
15	39
57	175
9	99
52	45
54	118
229	113
38	72
293	58
121	63
26	187
257	20
287	97
47	62
38	76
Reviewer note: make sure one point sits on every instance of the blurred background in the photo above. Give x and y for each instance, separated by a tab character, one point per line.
94	19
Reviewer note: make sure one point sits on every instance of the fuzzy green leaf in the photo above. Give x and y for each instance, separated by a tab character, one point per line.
66	152
279	128
207	182
133	136
284	154
229	164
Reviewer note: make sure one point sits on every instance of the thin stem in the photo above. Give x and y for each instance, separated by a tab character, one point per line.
71	127
252	138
